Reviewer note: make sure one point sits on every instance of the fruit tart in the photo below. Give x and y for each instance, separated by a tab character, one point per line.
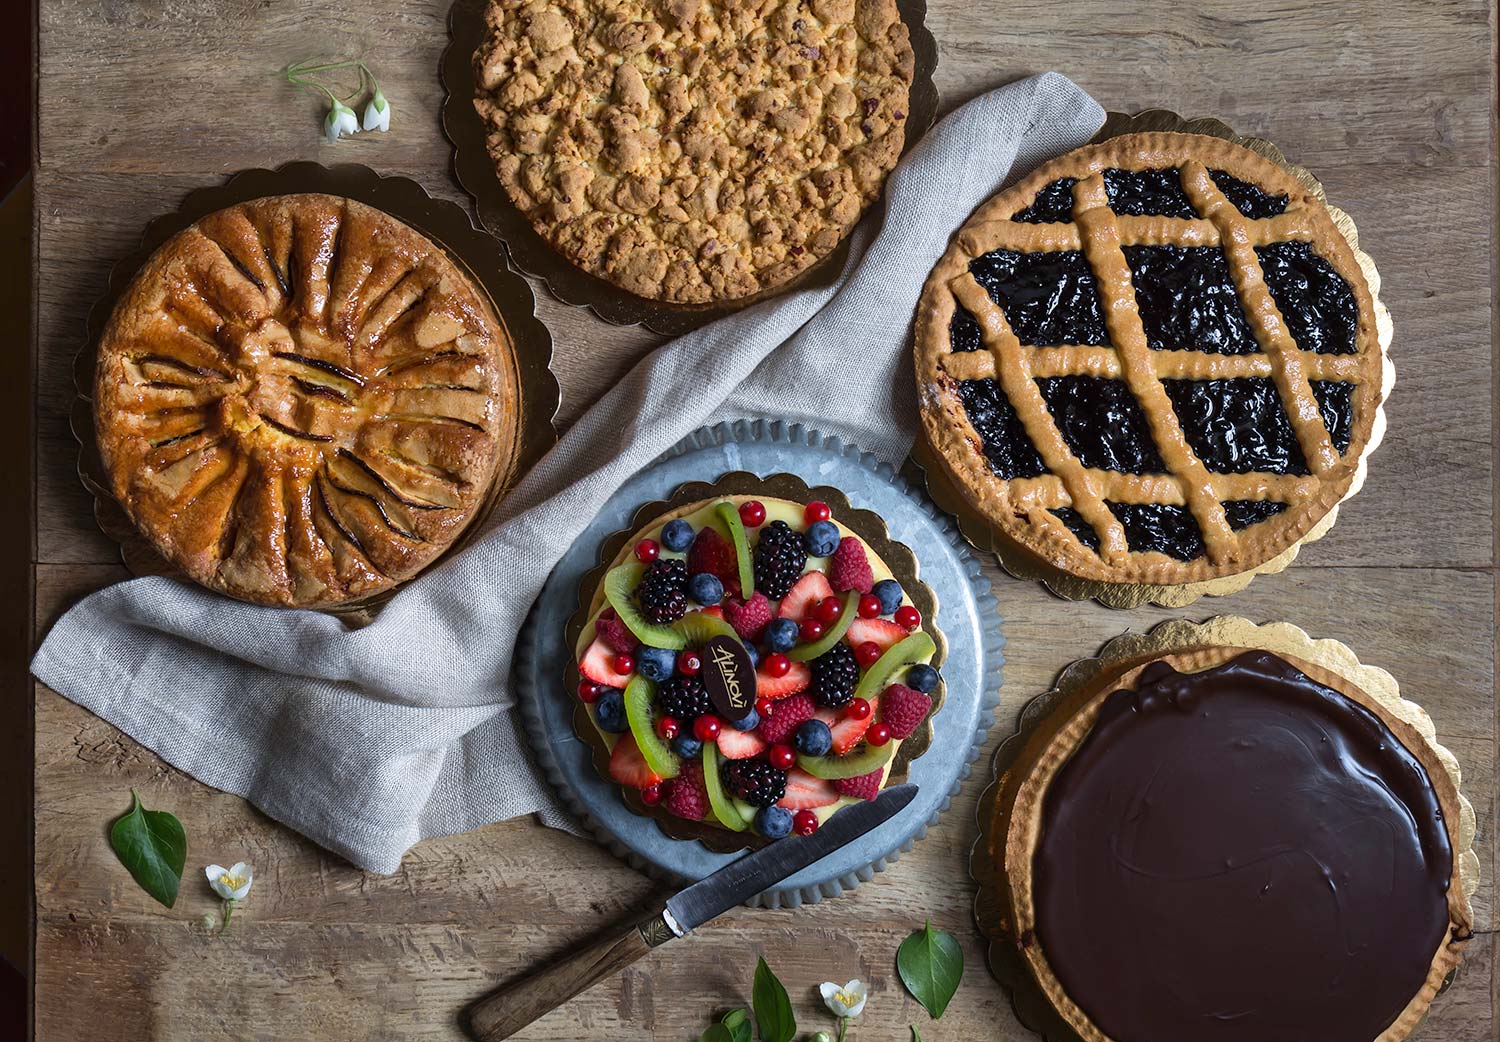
749	666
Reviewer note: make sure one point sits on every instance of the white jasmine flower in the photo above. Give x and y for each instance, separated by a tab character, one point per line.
340	121
378	113
847	1001
232	884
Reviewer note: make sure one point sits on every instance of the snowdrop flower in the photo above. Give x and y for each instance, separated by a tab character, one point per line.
340	121
378	112
232	884
847	1001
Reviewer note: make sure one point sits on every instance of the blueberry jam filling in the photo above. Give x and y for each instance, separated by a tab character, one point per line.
963	332
1188	301
1001	434
1170	530
1237	426
1313	298
1335	402
1148	193
1080	528
1242	513
1049	298
1249	199
1052	204
1102	424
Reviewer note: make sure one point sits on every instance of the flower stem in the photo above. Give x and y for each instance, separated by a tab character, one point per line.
843	1024
229	912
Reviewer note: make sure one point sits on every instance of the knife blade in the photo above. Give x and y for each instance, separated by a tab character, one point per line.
742	879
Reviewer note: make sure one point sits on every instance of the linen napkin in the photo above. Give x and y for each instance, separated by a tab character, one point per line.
370	740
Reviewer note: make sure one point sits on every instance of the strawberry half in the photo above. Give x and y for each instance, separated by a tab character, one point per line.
714	554
796	679
804	792
809	590
628	767
598	666
881	632
847	731
740	745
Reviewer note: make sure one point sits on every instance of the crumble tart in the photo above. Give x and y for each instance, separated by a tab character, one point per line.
691	153
761	713
1228	844
1154	360
300	400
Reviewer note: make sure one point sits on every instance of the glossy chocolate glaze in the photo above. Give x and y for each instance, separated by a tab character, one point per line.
1240	855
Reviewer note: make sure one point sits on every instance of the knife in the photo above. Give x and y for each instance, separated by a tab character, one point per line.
511	1007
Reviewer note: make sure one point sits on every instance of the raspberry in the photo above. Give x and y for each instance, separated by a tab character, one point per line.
865	787
902	709
749	618
779	559
849	568
685	795
787	714
713	554
616	636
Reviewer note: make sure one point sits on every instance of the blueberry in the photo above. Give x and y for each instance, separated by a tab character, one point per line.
656	664
813	738
773	822
749	723
754	653
677	536
782	635
889	592
921	677
610	711
821	539
706	589
686	746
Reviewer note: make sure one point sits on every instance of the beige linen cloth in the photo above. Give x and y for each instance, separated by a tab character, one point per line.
370	740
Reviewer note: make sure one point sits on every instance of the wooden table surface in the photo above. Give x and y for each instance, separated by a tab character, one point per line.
1388	101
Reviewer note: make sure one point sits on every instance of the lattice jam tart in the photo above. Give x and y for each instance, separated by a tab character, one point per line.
302	401
691	152
1154	360
830	660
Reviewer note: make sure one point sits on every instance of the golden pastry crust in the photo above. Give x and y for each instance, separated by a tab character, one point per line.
1020	509
302	401
1015	829
689	152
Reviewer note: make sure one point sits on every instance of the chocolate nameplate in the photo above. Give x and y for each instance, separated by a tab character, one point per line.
729	678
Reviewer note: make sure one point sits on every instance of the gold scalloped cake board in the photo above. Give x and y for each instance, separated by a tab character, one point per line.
990	905
1023	564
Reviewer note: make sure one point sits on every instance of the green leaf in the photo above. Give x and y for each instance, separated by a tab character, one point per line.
737	1023
773	1010
153	846
931	964
716	1033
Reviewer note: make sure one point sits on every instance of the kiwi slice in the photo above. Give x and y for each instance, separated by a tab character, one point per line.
905	651
619	584
723	806
834	634
698	629
747	810
864	759
640	693
730	515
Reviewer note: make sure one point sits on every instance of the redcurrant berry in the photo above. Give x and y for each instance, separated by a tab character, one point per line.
828	610
764	707
752	513
869	606
867	654
782	757
589	691
816	511
857	709
878	734
651	795
668	728
812	629
647	551
776	665
689	663
624	663
804	823
707	727
908	618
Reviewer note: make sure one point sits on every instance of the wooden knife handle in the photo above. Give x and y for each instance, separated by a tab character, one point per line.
511	1007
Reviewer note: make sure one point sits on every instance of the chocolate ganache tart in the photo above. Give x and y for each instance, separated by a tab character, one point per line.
303	401
1155	360
1227	844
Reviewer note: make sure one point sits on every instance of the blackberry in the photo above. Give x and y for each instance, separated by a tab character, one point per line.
834	676
663	599
779	560
683	698
754	781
